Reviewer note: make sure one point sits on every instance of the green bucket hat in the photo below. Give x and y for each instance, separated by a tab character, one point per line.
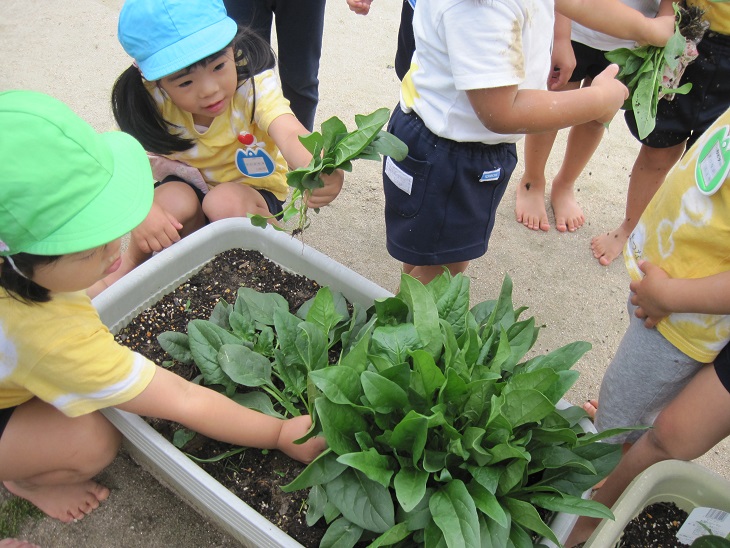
64	187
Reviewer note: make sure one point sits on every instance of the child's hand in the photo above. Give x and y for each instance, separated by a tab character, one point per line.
332	187
614	92
361	7
658	31
158	231
648	294
563	62
293	429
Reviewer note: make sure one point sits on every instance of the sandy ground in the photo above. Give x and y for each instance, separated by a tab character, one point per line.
68	49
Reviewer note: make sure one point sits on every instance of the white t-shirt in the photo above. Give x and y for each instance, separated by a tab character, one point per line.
474	44
604	42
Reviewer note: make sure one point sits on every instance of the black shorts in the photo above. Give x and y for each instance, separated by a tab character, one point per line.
722	367
5	417
273	203
686	117
441	200
590	62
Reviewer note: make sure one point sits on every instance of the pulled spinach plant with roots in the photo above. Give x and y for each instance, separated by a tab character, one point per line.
645	70
335	148
440	433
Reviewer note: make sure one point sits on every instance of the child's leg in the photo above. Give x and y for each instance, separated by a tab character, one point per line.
650	169
177	199
530	206
234	200
646	373
696	420
583	140
49	459
426	273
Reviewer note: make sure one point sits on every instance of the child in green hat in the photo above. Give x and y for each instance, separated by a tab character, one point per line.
67	195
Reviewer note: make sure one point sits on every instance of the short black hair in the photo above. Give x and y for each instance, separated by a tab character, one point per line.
22	287
136	112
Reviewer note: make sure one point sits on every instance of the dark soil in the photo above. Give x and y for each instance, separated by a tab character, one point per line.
254	476
655	527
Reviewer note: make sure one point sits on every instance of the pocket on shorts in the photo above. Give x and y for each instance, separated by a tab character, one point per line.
404	184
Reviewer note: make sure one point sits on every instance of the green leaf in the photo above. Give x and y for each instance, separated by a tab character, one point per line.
570	504
311	345
524	406
341	534
424	312
261	306
455	513
362	501
316	503
177	345
205	340
339	384
388	144
410	486
487	503
181	437
244	366
394	535
375	466
525	514
384	395
320	471
258	401
409	435
340	423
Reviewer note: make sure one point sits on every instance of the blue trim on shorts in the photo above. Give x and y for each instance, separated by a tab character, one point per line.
589	62
686	117
5	415
441	207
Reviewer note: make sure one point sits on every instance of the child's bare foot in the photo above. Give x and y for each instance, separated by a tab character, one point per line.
591	407
67	503
568	214
607	247
530	207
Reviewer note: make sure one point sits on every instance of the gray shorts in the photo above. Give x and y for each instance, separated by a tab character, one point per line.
646	373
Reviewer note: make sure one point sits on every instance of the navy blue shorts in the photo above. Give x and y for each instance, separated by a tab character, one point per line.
440	202
590	62
274	204
722	367
686	117
4	418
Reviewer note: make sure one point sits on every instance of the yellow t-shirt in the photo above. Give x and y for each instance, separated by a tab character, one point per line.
717	13
60	352
687	233
233	148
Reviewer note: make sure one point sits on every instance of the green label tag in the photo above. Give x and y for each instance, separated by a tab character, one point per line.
713	163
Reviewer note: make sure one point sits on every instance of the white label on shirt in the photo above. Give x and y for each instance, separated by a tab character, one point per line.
704	521
255	164
490	175
400	178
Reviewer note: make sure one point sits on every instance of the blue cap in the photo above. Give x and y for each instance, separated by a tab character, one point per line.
165	36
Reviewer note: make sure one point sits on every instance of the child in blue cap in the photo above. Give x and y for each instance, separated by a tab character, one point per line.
205	102
60	226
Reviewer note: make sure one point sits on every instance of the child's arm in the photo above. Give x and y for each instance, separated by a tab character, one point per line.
203	410
614	18
563	57
657	295
285	131
511	110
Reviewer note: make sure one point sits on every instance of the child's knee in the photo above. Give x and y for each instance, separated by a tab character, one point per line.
100	442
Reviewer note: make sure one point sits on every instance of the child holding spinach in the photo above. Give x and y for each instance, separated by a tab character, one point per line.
61	220
679	123
476	84
204	100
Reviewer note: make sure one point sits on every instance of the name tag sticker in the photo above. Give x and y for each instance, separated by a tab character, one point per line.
398	177
492	175
713	163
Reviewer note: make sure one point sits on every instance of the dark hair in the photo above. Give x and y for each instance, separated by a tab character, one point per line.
137	114
20	287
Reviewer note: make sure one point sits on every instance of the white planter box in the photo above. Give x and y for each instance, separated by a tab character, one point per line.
164	272
686	484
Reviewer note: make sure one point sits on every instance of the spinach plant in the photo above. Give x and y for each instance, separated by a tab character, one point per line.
644	69
335	148
440	432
